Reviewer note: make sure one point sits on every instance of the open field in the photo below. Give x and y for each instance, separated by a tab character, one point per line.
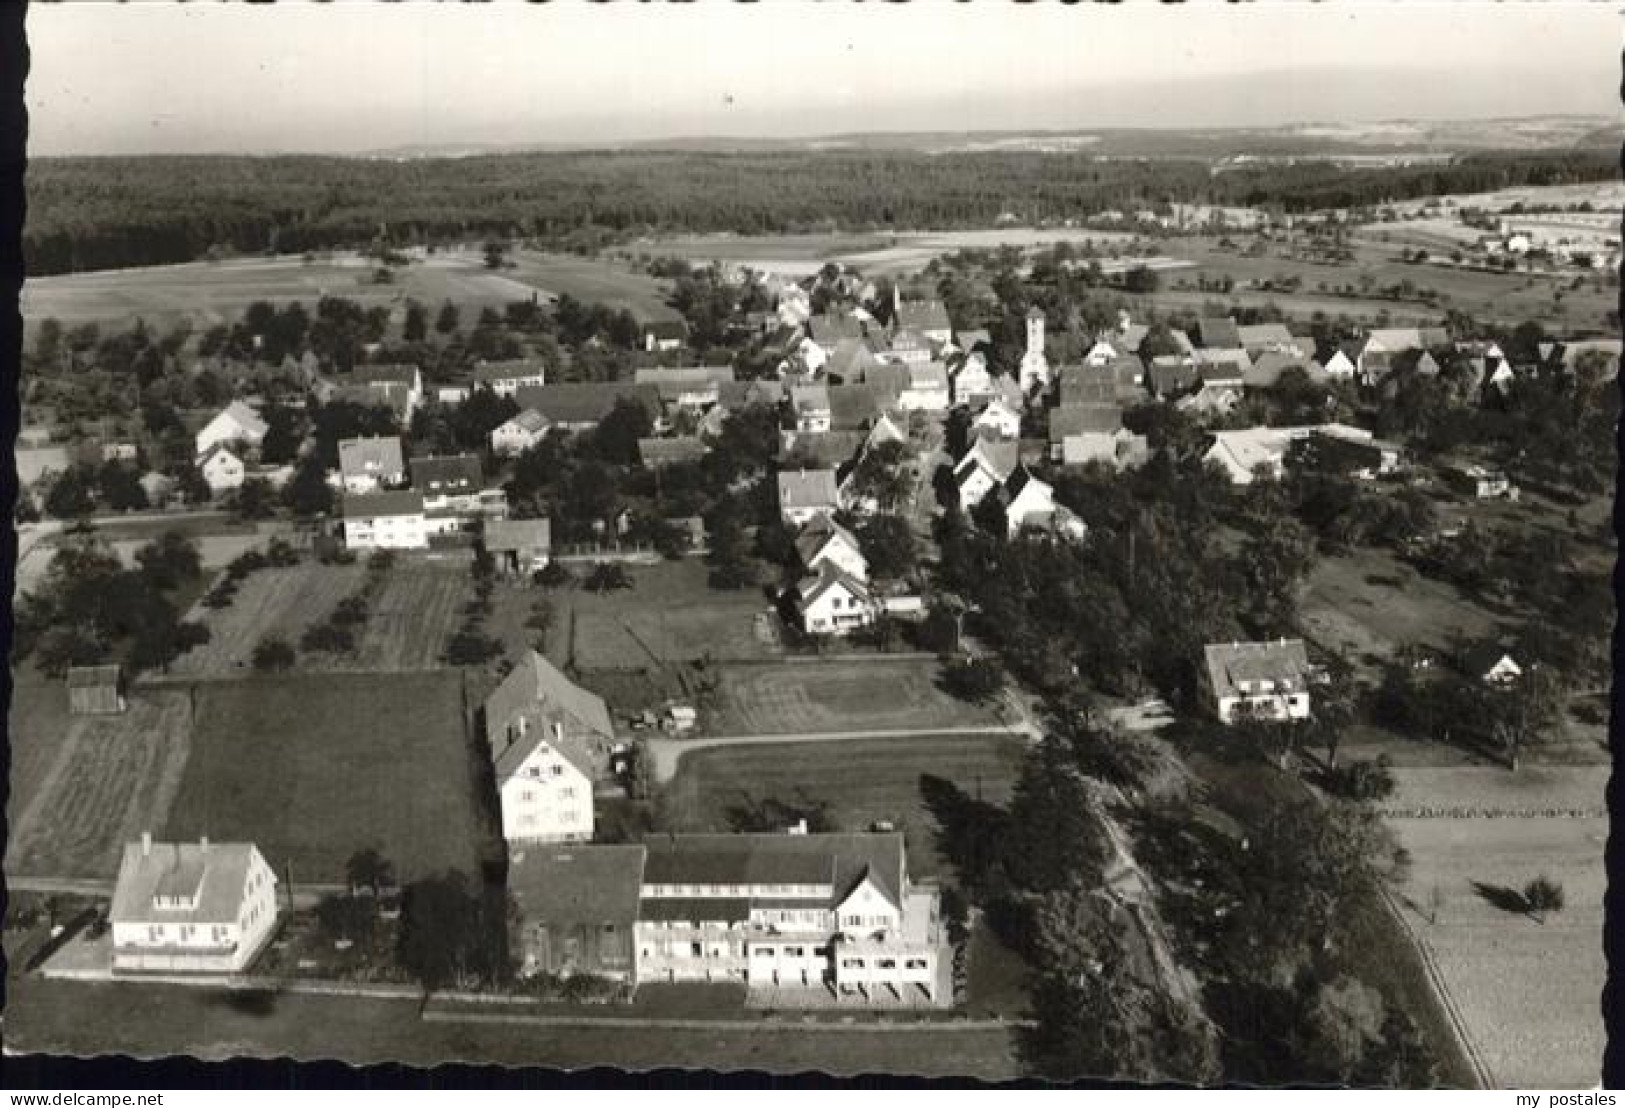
218	292
85	785
418	606
1493	296
1605	196
862	781
148	1021
875	693
1366	605
595	281
1529	993
670	609
872	254
37	726
315	767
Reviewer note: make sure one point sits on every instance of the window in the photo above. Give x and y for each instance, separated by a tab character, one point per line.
887	963
567	794
914	963
155	934
558	770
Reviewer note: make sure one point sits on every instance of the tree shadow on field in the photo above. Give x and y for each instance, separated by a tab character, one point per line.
969	831
1499	896
258	1003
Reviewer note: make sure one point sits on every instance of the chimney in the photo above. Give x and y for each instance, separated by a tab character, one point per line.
146	843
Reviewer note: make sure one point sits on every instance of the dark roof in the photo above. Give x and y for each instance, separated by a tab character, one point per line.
732	909
584	883
1087	384
585	403
505	536
827	328
825	449
536	681
673	451
372	505
1083	419
855	407
1171	374
778	859
1282	661
1219	333
454	472
394	373
667	329
734	395
488	372
922	315
92	677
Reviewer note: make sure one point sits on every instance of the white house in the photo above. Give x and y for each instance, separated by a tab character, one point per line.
927	389
788	911
191	907
1340	366
237	425
385	521
1031	506
999	419
986	465
222	469
400	385
520	433
370	464
549	740
805	493
508	377
833	602
1264	680
825	542
972	383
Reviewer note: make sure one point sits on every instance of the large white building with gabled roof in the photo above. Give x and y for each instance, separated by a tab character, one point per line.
191	907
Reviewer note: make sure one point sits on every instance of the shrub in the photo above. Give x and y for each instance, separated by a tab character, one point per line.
1543	895
607	576
272	655
1361	780
327	638
552	576
977	680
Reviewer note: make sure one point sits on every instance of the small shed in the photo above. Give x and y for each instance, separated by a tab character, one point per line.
95	690
520	546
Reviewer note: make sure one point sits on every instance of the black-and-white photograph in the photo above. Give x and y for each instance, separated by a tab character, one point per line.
976	541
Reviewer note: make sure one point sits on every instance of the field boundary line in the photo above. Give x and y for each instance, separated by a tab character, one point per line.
1458	1025
669	760
667	1023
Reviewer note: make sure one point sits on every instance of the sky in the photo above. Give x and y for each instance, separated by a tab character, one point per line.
356	76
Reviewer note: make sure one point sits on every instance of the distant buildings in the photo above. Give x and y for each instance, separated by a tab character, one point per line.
237	425
95	690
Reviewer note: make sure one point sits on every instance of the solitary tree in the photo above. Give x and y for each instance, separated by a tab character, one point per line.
1543	896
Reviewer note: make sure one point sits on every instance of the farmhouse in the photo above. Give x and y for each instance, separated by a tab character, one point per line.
369	464
927	389
385	521
508	377
856	407
1093	433
1219	334
191	907
520	546
1030	506
1171	374
985	466
972	383
928	317
396	399
576	909
908	348
520	433
825	542
448	482
1263	680
1273	338
810	406
826	330
658	453
829	450
1482	483
806	493
850	360
222	469
1246	453
238	425
1492	664
581	407
549	738
797	910
95	690
833	602
999	420
400	386
665	334
689	386
1268	366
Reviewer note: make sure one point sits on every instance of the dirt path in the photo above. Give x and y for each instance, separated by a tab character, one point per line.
668	753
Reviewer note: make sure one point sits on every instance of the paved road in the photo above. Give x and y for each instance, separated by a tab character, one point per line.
669	752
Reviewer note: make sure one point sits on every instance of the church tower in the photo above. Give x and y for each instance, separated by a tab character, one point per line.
1034	366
